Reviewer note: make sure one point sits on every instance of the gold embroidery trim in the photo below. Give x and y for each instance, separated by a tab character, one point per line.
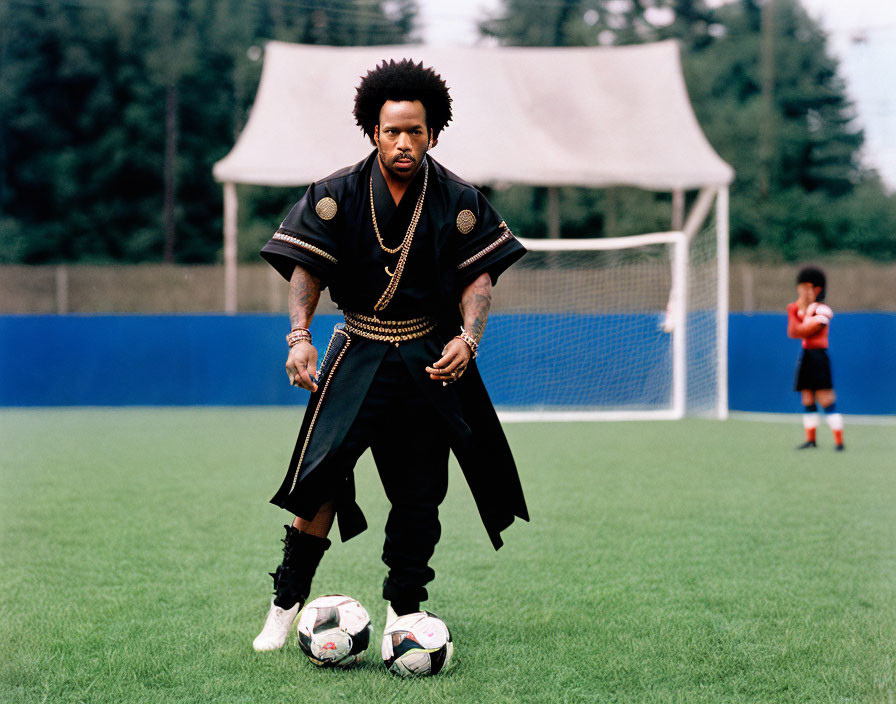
506	237
388	330
296	242
326	208
320	400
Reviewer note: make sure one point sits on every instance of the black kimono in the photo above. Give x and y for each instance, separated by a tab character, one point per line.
458	237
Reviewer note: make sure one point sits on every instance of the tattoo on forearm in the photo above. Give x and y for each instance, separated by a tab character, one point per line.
304	293
476	301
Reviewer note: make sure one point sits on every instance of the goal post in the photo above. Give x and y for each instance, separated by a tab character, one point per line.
624	328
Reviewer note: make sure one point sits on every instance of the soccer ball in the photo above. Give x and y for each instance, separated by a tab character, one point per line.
334	631
417	644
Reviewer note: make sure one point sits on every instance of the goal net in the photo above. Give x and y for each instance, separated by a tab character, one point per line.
608	329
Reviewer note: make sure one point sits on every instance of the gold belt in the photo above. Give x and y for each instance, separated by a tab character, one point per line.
392	331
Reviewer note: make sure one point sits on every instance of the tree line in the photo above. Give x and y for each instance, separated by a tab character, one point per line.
767	94
112	113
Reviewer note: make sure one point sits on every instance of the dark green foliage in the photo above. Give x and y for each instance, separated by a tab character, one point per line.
85	148
86	151
808	195
814	177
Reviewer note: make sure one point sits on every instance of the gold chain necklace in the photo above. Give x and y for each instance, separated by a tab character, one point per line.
405	246
417	210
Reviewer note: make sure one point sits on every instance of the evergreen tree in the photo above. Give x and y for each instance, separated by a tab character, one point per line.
113	112
57	103
790	136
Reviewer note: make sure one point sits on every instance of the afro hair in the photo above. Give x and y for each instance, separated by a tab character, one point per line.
812	275
403	80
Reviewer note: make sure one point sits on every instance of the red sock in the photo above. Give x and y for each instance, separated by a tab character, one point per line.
810	435
838	437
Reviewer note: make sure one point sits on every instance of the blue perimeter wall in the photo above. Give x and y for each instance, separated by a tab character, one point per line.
120	360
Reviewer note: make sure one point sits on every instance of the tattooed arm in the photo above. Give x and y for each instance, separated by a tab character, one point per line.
475	303
304	293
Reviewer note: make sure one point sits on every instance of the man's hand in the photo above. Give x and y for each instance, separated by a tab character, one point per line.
302	365
475	302
453	363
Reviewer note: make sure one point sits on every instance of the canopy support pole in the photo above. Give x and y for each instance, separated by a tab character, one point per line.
677	208
553	213
722	233
230	247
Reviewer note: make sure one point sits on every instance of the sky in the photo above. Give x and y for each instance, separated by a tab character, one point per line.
862	36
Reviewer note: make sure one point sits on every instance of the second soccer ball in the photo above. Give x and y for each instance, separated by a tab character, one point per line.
417	644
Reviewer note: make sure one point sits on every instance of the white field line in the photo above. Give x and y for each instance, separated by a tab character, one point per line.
796	418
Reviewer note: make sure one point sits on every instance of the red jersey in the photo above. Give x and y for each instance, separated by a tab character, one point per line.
811	325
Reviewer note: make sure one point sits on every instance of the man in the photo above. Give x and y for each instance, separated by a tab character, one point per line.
410	253
809	319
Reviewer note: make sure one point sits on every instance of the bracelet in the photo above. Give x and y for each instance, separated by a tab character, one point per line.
297	335
470	341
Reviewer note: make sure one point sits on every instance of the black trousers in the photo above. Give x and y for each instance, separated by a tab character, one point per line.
408	440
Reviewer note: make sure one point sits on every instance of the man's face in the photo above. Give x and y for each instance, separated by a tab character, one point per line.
402	137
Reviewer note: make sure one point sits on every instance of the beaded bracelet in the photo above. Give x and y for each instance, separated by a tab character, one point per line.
470	341
297	335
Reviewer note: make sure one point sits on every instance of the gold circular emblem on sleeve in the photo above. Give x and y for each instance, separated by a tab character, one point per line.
326	208
466	221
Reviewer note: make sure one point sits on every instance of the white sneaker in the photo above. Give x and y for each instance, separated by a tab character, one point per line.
276	628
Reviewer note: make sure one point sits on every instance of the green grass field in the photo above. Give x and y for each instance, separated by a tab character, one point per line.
691	561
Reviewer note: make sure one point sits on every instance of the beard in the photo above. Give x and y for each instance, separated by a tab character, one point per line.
402	165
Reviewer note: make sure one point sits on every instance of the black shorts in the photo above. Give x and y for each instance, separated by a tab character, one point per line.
813	372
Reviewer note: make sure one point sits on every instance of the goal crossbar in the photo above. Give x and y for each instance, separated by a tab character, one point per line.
602	243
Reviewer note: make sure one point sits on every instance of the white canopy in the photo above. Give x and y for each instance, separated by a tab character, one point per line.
552	117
